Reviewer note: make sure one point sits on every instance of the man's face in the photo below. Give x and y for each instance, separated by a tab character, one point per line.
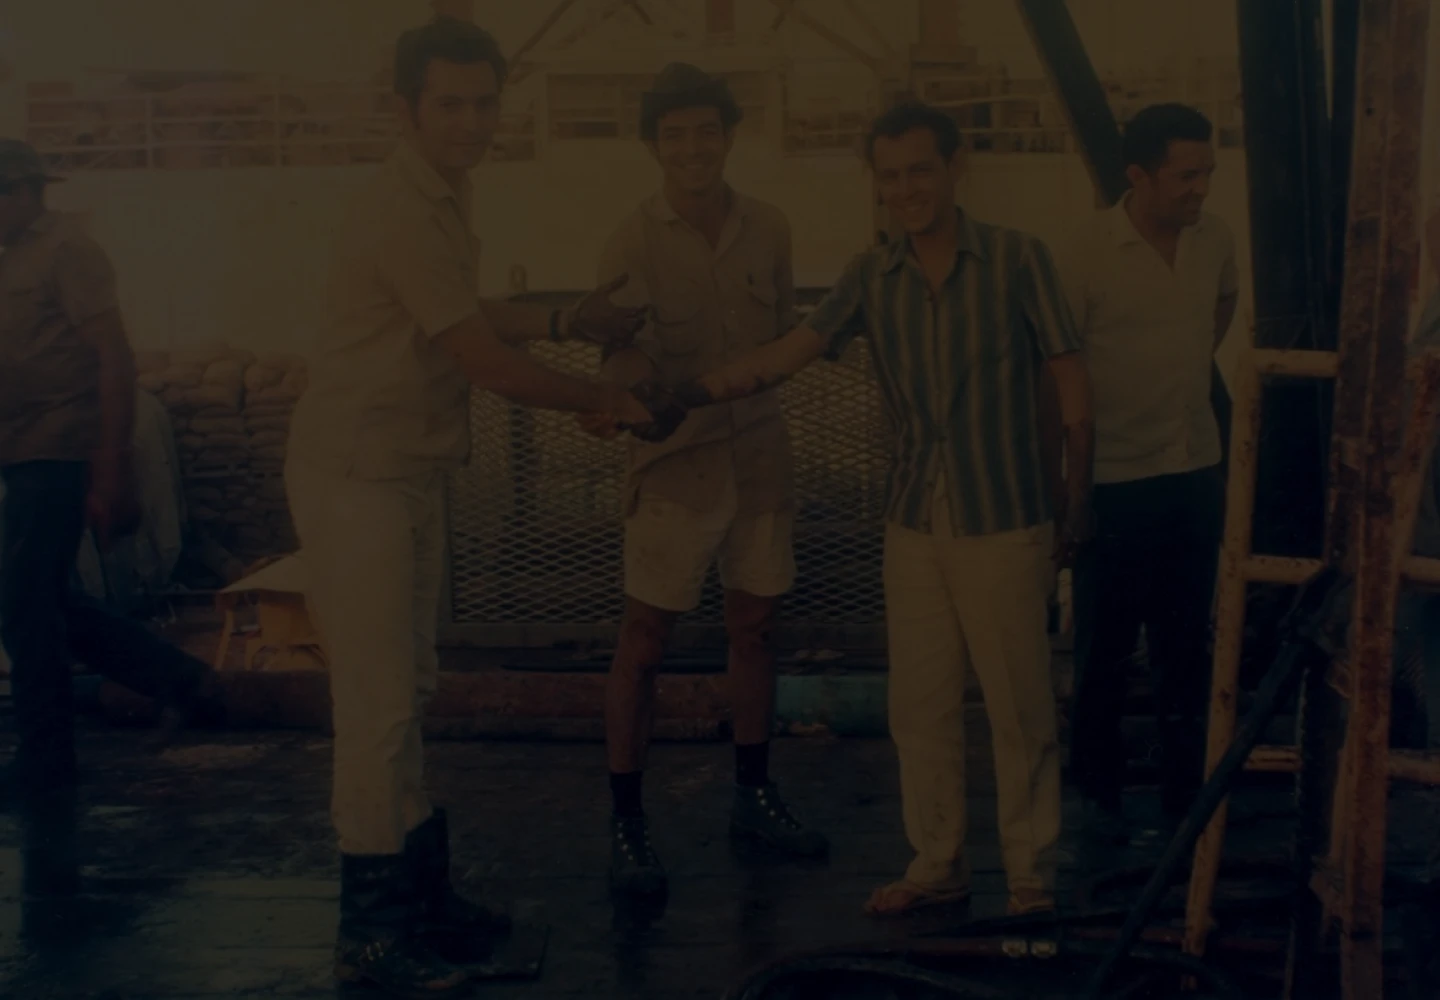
1176	191
691	145
454	122
916	183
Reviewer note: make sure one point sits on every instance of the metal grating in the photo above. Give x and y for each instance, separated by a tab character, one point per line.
535	527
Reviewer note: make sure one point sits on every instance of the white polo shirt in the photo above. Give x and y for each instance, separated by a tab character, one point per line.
1149	336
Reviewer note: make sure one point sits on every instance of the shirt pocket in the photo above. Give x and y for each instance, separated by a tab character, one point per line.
679	329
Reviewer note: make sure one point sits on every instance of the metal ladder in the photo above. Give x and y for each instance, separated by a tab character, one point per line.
1378	461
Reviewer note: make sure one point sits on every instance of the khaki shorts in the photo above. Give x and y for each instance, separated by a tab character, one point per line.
669	549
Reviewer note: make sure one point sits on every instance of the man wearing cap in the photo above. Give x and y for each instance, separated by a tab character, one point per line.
716	266
385	418
67	399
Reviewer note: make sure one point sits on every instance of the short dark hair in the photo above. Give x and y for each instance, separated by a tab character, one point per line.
447	38
908	116
715	94
1149	134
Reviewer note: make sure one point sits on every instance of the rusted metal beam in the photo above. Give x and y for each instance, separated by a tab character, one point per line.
1419	446
1382	254
1082	96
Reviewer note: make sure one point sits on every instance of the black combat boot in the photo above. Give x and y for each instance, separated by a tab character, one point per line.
760	815
377	942
456	928
635	869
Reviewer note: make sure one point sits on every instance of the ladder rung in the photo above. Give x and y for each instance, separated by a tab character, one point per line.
1286	570
1417	767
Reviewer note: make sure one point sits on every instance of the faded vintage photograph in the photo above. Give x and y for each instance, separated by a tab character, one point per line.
748	499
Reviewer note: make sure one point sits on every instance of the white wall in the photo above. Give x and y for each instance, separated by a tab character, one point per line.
239	255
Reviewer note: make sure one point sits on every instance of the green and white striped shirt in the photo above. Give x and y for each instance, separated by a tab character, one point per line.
959	373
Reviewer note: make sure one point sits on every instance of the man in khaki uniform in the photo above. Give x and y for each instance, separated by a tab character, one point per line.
67	402
716	267
386	416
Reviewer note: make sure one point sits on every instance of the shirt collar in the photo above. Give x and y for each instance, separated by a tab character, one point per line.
661	210
413	167
967	240
1122	227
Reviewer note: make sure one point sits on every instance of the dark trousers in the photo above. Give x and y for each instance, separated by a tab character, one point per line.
1152	563
45	625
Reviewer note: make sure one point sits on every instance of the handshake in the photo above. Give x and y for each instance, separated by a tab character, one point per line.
648	410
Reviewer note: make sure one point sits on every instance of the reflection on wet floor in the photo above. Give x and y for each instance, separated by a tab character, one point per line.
211	872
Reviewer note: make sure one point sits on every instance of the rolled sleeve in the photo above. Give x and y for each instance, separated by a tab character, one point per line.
428	276
85	280
620	256
1046	308
840	316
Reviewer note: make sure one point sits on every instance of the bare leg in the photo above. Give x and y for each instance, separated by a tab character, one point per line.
748	621
630	689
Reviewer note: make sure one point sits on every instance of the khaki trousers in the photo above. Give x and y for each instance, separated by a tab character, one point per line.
374	558
952	604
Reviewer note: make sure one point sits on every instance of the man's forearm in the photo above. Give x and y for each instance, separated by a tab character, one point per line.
1079	463
523	380
628	367
116	389
518	323
762	369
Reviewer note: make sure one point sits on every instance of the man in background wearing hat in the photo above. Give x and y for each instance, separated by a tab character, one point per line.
716	266
67	399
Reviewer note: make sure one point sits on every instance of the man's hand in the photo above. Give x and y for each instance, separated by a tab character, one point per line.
600	321
1074	527
600	425
111	507
665	413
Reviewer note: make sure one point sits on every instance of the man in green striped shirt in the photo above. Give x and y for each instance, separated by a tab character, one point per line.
963	319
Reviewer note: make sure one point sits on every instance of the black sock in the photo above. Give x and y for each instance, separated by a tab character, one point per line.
752	765
625	790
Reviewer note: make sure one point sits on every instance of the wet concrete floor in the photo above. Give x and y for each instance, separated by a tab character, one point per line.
211	871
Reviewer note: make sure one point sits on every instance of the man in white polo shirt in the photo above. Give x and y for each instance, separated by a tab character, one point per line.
1153	284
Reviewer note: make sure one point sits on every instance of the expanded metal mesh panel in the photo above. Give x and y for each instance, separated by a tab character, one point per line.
536	528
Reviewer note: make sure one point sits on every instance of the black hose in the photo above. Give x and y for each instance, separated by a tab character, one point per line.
901	967
1312	609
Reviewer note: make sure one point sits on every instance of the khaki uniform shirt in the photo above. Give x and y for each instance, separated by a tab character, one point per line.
383	402
710	306
53	280
1149	336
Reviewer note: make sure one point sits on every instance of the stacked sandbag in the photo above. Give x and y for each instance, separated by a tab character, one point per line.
231	415
273	385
